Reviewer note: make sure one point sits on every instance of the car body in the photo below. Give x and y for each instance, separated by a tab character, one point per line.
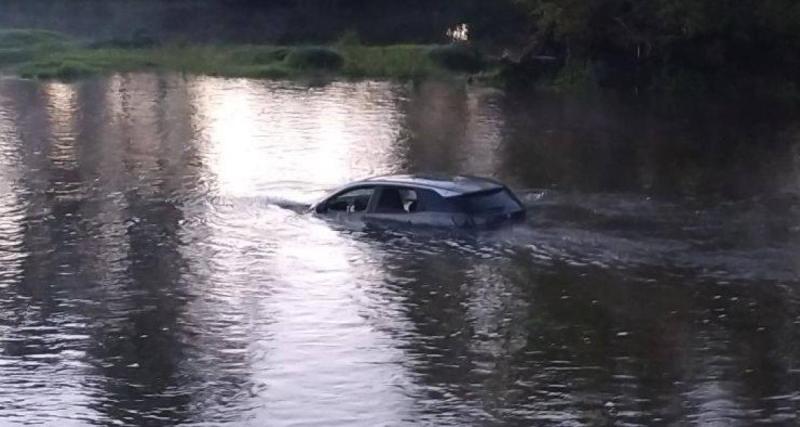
424	200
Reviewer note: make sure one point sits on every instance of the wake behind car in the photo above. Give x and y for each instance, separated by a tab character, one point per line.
458	201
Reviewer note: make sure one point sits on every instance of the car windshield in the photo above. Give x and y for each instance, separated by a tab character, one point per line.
499	200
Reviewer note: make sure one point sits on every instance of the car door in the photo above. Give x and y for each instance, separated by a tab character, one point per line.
392	205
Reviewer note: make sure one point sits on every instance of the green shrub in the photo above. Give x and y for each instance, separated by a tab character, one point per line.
66	70
259	55
27	38
125	43
398	61
44	54
457	57
73	70
314	57
270	72
575	75
14	55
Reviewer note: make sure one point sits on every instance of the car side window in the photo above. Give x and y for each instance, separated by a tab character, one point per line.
395	200
354	201
432	202
410	200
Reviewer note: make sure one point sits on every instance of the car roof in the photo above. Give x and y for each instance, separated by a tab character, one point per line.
445	186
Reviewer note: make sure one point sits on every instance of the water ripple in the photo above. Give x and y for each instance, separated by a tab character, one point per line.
158	266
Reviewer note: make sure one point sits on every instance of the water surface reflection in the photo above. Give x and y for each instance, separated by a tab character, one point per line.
156	269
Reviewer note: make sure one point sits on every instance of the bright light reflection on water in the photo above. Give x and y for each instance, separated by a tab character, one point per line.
266	139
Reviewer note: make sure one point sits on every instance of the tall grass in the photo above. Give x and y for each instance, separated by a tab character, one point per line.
18	38
395	62
43	54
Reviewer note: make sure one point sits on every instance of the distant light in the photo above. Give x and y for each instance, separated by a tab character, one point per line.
459	33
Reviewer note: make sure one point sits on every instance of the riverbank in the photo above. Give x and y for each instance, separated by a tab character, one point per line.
49	55
38	54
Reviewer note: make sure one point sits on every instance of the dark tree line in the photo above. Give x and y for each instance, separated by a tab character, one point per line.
718	29
699	33
385	21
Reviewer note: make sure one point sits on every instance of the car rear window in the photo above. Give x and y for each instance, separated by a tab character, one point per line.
499	200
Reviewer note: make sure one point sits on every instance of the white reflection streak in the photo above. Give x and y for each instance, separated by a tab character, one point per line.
264	138
307	341
66	387
12	213
61	106
232	134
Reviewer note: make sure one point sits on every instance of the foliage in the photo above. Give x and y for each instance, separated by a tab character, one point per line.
20	38
674	45
457	57
398	62
18	46
314	57
701	32
352	59
258	55
14	55
65	70
139	40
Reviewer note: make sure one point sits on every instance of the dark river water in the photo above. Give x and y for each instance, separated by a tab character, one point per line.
157	266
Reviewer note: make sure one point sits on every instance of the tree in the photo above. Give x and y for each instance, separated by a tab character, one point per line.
712	31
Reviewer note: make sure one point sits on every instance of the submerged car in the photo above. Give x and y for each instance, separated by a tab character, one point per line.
458	201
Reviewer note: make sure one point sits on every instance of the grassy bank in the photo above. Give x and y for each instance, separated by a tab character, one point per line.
49	55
